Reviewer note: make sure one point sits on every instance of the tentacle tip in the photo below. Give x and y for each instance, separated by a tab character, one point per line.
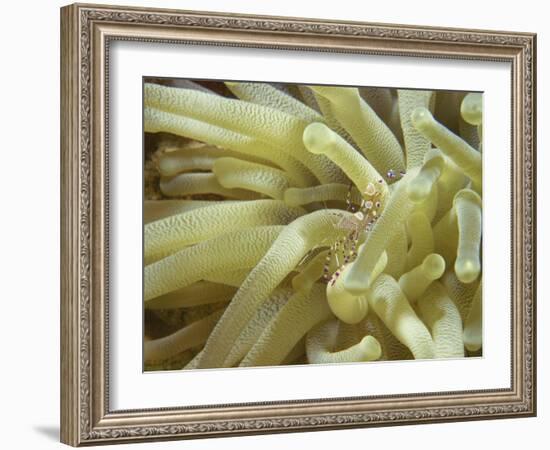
471	108
434	266
317	136
420	117
467	270
371	348
472	340
347	308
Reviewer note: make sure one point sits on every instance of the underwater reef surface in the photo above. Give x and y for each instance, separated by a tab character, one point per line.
297	224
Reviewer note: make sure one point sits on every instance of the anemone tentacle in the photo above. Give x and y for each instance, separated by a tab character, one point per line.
173	233
267	124
161	121
235	250
154	210
321	340
186	184
372	136
199	293
422	239
235	173
394	310
463	155
188	337
415	282
472	324
302	311
443	319
468	212
394	214
416	145
254	329
267	95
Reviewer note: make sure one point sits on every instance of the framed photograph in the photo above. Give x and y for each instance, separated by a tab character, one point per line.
276	224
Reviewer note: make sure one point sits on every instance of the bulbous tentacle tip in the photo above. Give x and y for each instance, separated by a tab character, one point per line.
420	187
471	108
433	266
371	348
421	117
317	137
467	270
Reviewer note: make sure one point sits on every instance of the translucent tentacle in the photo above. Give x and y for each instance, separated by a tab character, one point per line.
160	209
321	193
189	158
369	132
267	95
347	307
200	183
320	343
471	108
358	279
230	277
450	181
231	251
473	333
169	235
188	337
330	118
445	234
392	349
468	211
397	253
253	329
301	313
156	121
422	185
416	145
393	308
269	125
305	280
443	319
178	161
415	282
470	133
463	155
461	293
251	119
199	293
235	173
320	139
422	240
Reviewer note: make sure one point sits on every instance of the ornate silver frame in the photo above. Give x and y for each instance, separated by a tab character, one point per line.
86	31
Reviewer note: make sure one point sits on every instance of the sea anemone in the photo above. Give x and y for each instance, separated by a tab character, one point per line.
294	224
